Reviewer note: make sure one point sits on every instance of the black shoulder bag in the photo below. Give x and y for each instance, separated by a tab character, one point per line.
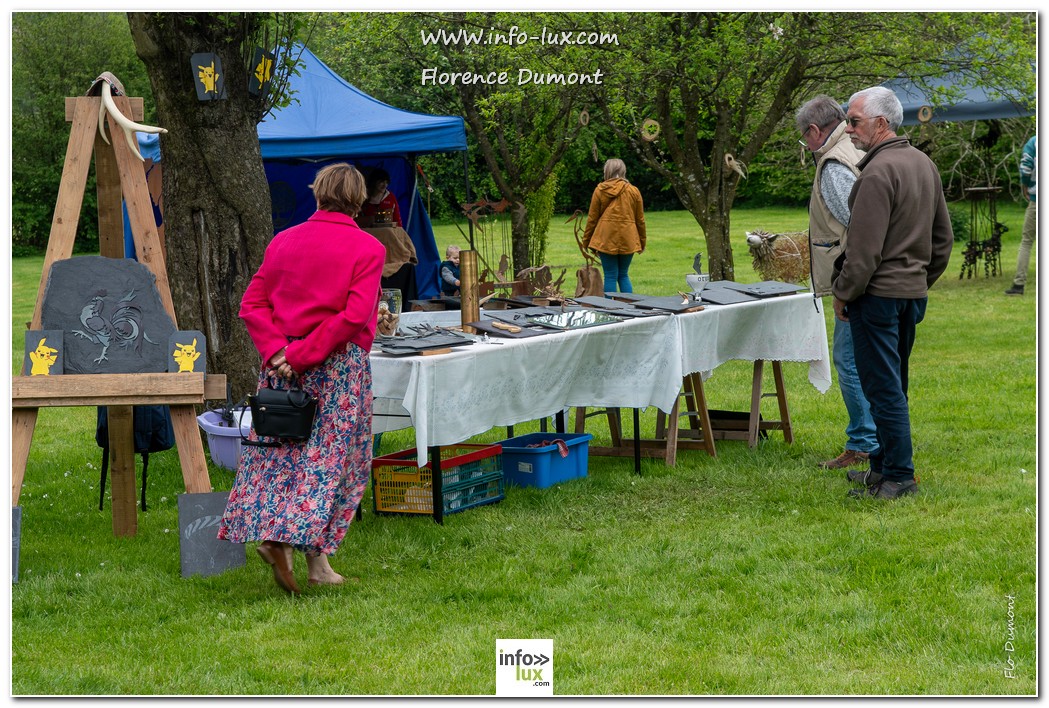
284	414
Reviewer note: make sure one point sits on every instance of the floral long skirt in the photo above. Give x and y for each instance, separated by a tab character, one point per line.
306	494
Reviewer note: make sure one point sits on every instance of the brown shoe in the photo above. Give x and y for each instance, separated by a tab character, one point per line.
273	553
849	458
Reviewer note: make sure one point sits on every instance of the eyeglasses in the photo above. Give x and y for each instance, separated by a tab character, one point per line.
856	121
802	140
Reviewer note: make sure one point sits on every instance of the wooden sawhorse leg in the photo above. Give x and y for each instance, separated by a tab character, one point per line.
756	424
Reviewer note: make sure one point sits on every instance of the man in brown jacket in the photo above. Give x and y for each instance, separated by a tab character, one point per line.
900	240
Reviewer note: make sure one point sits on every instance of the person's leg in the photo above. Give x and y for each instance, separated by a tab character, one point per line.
876	335
321	572
625	285
860	433
1030	231
610	267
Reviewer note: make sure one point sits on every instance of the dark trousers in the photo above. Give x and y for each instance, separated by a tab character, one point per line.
882	337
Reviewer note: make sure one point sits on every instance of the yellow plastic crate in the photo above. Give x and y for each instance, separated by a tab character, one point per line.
471	475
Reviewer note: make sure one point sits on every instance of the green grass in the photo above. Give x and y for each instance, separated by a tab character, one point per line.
749	573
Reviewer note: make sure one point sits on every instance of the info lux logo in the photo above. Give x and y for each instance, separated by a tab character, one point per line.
524	667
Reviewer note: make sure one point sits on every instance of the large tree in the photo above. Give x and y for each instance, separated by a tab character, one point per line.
698	95
216	198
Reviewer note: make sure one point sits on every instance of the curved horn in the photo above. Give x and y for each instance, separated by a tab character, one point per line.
128	125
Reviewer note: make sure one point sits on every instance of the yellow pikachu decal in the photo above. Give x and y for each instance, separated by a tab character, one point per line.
43	359
208	77
185	355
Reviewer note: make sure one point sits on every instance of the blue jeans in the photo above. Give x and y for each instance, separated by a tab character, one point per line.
860	433
615	268
883	331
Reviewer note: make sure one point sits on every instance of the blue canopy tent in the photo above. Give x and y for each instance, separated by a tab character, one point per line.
977	103
328	121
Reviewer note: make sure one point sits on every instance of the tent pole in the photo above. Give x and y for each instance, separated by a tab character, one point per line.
466	178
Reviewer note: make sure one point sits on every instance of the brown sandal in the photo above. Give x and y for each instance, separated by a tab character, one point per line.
273	553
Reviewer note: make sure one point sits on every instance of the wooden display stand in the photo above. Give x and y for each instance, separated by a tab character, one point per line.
704	426
119	175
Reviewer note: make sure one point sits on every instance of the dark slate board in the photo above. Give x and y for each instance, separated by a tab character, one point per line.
526	330
111	307
417	345
766	288
669	303
187	352
725	296
200	550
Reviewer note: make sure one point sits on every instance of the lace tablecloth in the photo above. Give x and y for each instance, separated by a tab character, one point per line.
637	363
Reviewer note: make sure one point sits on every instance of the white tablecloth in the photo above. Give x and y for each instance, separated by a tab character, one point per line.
790	328
637	363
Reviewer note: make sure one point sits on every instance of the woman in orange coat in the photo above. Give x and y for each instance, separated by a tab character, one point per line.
615	227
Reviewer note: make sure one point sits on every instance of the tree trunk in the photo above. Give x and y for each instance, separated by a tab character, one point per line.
217	214
520	237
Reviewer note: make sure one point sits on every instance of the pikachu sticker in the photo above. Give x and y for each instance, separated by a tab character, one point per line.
211	82
185	356
188	352
43	358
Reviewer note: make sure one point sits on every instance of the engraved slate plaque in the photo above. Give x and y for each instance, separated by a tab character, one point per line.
200	550
16	540
43	353
110	314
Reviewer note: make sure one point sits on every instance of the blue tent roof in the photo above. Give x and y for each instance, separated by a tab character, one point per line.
977	103
329	117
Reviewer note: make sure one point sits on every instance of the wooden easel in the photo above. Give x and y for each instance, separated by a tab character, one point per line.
119	175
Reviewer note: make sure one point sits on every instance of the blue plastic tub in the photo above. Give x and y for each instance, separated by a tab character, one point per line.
543	466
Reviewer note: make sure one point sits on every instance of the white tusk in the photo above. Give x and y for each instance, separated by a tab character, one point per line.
102	122
128	125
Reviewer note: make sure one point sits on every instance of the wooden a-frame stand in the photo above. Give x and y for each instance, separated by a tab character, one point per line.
119	175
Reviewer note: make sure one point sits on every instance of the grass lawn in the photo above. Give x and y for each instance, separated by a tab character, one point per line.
746	574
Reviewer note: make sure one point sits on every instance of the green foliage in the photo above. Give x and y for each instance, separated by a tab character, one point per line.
745	574
959	212
540	206
55	55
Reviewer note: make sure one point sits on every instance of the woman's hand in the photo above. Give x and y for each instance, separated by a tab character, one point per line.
279	366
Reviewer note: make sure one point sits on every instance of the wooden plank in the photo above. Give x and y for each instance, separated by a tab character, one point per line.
122	470
781	397
138	107
70	192
215	387
140	210
107	390
23	422
110	211
190	449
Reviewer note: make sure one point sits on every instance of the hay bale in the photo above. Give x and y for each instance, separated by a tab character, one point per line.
783	257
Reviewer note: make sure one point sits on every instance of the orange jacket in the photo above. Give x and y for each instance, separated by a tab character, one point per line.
616	222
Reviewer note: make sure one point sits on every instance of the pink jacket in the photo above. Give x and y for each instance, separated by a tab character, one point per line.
317	289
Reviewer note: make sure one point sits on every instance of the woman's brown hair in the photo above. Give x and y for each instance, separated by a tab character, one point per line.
339	187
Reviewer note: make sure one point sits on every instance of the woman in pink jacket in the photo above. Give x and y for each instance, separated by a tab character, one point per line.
311	312
615	226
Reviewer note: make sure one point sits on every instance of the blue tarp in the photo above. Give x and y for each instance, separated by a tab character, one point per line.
329	117
328	121
977	103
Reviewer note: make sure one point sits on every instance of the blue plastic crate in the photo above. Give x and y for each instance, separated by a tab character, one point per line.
543	466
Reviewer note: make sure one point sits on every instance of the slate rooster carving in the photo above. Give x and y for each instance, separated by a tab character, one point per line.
123	326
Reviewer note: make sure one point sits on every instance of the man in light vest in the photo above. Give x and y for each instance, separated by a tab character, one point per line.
821	123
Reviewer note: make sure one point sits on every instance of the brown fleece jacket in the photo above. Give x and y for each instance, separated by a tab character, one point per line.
900	237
